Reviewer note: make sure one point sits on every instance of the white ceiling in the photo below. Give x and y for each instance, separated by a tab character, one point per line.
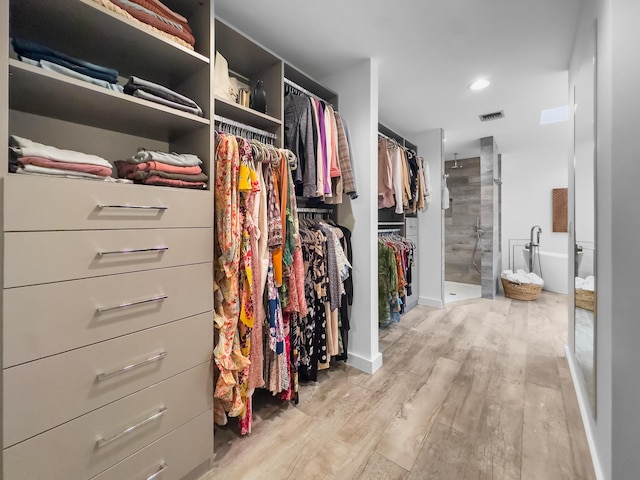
428	52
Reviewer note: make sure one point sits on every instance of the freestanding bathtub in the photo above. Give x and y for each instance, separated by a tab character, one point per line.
555	270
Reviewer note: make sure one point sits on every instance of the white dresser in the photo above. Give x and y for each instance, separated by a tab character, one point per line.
107	330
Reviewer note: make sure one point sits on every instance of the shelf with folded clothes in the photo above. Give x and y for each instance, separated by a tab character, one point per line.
51	94
248	116
123	43
149	167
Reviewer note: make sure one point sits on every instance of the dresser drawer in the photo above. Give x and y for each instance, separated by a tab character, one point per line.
172	457
88	445
38	203
41	257
45	393
43	320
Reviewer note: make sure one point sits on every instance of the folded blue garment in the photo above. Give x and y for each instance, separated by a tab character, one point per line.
54	67
35	51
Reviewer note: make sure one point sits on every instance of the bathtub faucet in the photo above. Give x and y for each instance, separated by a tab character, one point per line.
535	228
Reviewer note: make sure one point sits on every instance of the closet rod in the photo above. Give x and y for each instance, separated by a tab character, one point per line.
248	128
389	230
304	90
314	210
392	140
380	134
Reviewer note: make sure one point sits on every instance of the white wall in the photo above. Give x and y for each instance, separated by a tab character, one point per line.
599	428
357	88
430	223
527	182
624	165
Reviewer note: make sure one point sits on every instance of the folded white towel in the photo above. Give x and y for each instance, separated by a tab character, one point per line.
28	148
522	277
177	159
588	283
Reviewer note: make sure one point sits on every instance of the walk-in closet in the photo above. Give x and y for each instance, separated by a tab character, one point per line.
211	229
403	191
107	236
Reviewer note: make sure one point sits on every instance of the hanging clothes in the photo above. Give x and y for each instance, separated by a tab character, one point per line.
327	272
278	289
395	262
318	135
385	175
227	355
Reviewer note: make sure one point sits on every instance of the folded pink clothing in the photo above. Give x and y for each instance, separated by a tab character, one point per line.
75	167
129	169
155	180
154	21
161	9
163	167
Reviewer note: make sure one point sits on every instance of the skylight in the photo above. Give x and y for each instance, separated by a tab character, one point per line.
554	115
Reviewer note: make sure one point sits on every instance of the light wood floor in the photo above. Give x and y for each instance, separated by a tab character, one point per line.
478	390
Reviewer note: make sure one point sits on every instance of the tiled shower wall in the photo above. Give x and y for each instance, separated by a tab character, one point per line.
460	221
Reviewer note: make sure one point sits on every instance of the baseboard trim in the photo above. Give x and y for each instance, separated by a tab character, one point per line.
431	302
366	365
585	412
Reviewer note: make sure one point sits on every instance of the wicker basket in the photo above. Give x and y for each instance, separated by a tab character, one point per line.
585	299
521	291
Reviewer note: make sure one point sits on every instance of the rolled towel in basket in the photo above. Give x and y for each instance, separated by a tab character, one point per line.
588	283
522	277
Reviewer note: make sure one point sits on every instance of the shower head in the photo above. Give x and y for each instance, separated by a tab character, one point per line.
455	162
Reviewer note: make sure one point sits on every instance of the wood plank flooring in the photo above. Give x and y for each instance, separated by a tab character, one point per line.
478	390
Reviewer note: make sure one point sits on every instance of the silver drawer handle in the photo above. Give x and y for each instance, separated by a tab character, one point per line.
133	366
131	304
134	250
139	207
101	442
163	467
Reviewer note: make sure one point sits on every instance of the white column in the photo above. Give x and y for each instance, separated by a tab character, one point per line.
431	223
357	88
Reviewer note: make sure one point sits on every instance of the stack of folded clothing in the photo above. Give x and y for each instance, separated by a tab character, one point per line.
157	93
157	16
52	60
36	158
159	168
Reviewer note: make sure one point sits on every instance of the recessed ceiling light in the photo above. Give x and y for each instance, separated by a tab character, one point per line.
554	115
480	84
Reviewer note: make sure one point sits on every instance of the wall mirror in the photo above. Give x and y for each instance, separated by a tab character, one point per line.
584	234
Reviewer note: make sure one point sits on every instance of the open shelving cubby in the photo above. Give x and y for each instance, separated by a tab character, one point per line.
250	62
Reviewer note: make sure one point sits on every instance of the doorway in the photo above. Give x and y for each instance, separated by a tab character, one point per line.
464	236
472	224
